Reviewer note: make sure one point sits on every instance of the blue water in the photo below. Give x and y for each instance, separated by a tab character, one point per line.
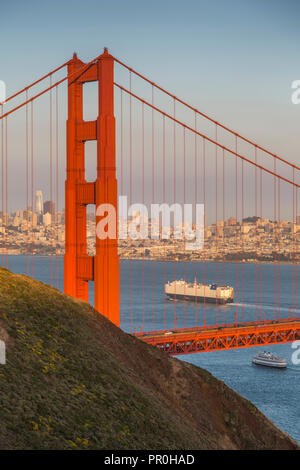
275	392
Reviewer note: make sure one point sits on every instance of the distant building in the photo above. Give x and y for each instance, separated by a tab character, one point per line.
31	218
246	228
47	218
298	219
17	221
39	203
49	207
59	217
231	221
295	228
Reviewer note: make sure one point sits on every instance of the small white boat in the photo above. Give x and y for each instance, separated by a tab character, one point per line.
268	359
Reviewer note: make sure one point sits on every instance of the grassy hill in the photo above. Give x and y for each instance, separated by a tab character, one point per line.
75	381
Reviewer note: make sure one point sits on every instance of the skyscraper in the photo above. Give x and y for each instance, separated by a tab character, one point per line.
39	204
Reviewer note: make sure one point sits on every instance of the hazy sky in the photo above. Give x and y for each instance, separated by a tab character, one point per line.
235	60
215	54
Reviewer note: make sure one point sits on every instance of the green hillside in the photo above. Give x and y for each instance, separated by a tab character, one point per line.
75	381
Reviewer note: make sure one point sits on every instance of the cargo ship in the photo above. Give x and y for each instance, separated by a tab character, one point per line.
182	290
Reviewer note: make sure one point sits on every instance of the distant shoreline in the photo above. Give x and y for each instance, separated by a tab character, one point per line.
209	261
162	260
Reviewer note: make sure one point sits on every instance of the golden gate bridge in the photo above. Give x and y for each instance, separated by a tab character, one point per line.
155	148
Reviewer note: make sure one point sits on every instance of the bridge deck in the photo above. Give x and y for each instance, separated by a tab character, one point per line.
221	337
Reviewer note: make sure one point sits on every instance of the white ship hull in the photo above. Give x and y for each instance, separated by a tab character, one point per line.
194	298
266	363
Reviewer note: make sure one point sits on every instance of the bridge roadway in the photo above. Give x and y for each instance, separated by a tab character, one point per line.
222	337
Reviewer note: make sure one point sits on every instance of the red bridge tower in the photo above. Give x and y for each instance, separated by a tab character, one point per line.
79	268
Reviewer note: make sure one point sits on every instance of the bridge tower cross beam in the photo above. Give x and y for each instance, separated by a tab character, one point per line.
103	268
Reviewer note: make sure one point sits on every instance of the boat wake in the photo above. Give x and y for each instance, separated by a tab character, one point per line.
294	369
265	307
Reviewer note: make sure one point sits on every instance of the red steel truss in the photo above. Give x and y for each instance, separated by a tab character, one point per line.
216	338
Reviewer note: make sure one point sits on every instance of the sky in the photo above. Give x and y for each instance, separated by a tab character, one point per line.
234	60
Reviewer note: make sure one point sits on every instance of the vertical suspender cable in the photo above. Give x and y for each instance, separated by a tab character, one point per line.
204	202
122	221
143	196
196	197
184	228
57	186
236	230
274	238
223	231
256	233
6	194
242	236
216	184
279	257
27	189
297	255
153	196
164	201
294	229
50	173
32	186
130	189
174	197
260	244
2	190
